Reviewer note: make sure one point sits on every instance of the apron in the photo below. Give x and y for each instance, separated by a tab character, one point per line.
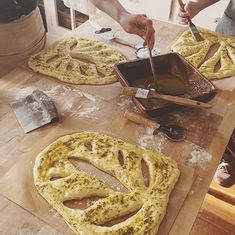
20	38
227	23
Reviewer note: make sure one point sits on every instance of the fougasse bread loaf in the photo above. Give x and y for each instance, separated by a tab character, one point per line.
102	151
78	60
196	53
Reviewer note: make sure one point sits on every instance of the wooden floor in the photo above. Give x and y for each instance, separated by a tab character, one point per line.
217	214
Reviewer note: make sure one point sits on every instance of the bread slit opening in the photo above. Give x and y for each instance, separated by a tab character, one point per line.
88	145
229	55
217	66
93	171
81	204
52	59
145	172
56	177
73	45
120	157
119	220
211	52
85	58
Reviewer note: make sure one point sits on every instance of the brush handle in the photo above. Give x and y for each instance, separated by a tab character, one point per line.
182	7
147	94
192	26
123	42
137	118
136	92
181	4
179	100
152	67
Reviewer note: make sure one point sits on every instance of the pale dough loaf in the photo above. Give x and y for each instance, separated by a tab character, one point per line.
196	52
102	152
78	60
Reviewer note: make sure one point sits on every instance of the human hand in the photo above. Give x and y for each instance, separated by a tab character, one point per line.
190	10
139	25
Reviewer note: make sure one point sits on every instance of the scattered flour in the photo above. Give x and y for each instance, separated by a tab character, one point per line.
155	142
124	102
198	157
147	138
54	92
85	111
59	94
159	143
118	189
68	106
24	92
89	97
59	90
54	212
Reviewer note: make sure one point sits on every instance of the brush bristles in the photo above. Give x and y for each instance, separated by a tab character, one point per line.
129	91
196	33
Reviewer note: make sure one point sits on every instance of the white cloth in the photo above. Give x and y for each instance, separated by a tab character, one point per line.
21	38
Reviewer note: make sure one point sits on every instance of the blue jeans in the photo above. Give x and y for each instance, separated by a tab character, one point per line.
226	26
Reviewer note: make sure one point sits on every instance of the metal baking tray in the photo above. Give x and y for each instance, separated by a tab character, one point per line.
137	73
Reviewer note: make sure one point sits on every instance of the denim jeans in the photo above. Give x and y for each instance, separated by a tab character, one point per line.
226	26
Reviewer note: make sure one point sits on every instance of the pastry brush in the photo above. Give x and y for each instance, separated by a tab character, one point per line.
148	94
192	26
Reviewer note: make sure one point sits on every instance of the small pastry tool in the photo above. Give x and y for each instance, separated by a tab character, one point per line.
35	110
98	28
148	94
110	35
171	131
192	26
107	34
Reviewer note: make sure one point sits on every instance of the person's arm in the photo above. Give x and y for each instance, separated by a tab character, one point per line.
192	8
131	23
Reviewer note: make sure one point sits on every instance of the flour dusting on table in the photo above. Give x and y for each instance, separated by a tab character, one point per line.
148	140
89	96
198	156
59	90
54	212
124	102
86	111
61	95
23	92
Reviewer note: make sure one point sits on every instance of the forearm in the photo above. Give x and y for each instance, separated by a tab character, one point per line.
112	7
132	23
205	3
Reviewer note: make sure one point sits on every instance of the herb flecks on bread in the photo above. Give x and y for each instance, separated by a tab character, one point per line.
150	201
196	53
78	60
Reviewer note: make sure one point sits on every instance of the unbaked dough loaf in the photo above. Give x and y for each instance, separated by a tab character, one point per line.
78	60
102	152
196	52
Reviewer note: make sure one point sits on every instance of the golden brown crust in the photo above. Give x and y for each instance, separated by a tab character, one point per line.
150	201
78	61
195	52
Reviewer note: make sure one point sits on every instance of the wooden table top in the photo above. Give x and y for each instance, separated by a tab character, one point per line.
101	108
